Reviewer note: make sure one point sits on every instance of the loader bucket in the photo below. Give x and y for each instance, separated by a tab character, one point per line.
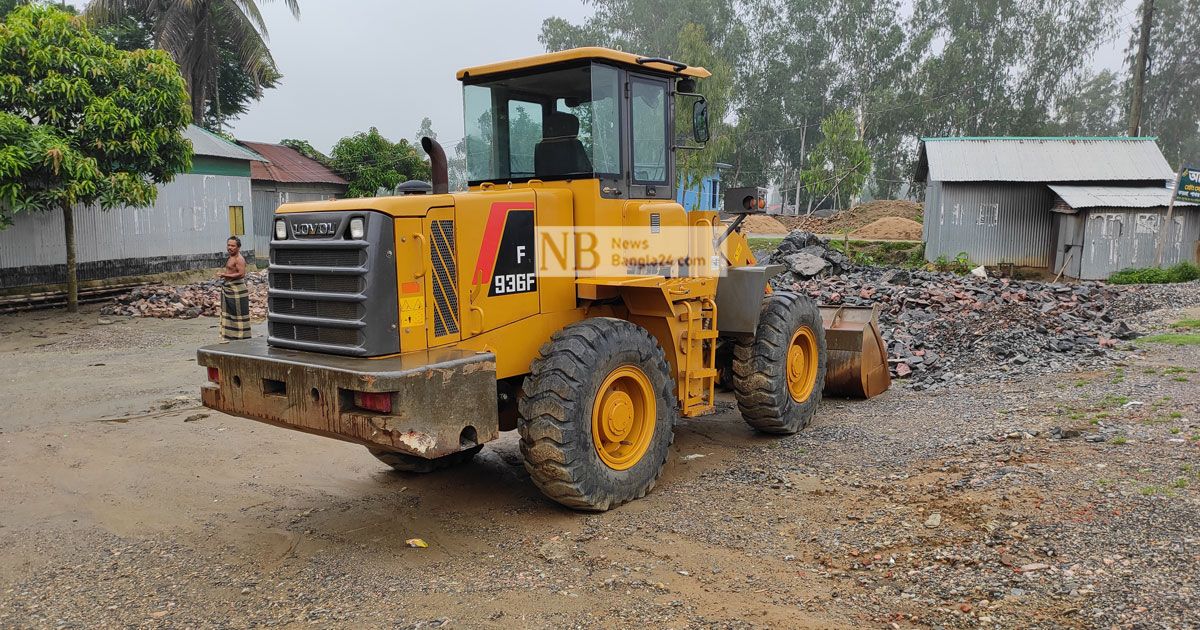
856	364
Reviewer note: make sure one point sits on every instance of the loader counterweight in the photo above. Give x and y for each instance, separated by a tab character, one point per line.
443	401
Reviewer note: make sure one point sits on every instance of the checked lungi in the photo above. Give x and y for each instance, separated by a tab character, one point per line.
235	310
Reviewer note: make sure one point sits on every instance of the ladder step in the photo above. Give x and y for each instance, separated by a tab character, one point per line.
701	373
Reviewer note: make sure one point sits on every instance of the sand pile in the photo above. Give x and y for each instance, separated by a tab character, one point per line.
763	224
889	229
856	217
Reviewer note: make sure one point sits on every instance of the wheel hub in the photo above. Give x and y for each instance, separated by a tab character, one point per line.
801	364
623	417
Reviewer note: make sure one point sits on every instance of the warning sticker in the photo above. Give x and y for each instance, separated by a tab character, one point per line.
412	311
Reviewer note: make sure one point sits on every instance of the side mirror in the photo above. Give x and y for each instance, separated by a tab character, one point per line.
700	121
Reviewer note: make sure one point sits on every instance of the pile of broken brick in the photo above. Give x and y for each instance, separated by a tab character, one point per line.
944	329
187	301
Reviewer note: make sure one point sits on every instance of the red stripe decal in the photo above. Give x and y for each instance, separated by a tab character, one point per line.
491	239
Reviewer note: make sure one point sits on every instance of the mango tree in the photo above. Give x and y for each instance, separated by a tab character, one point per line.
83	123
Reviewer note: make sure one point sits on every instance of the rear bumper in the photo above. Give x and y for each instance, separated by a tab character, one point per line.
444	400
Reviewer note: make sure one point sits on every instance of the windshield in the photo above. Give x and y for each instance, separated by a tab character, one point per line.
550	125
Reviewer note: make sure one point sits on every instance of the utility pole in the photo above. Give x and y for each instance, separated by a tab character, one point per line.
1167	231
1139	69
800	167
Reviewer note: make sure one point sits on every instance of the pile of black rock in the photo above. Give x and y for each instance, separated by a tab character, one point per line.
805	255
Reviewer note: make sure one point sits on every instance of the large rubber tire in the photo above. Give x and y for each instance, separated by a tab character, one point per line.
557	408
404	462
760	365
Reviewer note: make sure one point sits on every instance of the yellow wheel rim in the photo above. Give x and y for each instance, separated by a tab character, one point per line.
623	417
802	364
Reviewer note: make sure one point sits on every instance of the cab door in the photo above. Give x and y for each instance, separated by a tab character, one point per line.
651	169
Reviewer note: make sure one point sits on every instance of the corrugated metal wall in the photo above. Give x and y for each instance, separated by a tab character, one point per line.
190	218
268	196
992	222
1120	238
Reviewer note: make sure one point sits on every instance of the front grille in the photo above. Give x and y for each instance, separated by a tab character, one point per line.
319	257
335	294
316	334
317	308
312	282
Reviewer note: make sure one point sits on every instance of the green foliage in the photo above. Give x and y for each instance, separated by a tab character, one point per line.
83	122
693	165
916	257
424	130
887	253
763	244
303	147
960	265
1182	272
908	70
1173	85
1174	339
220	45
370	161
839	164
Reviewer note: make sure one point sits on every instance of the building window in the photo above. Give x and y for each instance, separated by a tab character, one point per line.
237	221
989	214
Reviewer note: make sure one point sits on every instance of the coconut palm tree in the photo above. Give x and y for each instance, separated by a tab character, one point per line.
194	32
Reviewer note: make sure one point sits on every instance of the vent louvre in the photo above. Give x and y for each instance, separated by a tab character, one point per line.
445	274
315	334
312	282
314	308
318	257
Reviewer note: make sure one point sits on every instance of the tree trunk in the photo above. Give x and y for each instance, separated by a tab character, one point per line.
72	278
1139	69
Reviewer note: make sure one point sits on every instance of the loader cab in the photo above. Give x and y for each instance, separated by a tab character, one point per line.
588	113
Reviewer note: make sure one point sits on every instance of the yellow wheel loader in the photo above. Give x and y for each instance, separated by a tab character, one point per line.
565	294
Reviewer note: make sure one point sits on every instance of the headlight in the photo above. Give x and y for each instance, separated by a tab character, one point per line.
280	230
356	228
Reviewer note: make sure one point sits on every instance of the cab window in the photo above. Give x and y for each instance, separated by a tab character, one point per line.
648	118
560	124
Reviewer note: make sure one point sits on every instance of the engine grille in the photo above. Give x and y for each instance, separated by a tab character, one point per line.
317	308
333	293
312	282
320	257
316	334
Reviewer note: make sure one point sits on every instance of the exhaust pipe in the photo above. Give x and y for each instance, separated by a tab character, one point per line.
439	172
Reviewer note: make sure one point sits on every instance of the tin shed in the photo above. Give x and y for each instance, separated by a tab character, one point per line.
186	228
990	198
1102	229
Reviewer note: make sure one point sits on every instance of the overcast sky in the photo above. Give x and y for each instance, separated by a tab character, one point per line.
352	64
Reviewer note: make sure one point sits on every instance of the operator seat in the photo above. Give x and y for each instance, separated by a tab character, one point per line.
560	152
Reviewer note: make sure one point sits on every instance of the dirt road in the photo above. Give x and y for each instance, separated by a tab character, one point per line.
126	504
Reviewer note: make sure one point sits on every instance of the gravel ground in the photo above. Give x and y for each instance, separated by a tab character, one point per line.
1059	500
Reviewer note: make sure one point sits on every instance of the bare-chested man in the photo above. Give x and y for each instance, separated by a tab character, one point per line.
235	303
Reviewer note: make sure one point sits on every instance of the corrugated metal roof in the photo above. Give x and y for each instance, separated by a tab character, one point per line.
289	165
1080	197
205	142
1042	160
